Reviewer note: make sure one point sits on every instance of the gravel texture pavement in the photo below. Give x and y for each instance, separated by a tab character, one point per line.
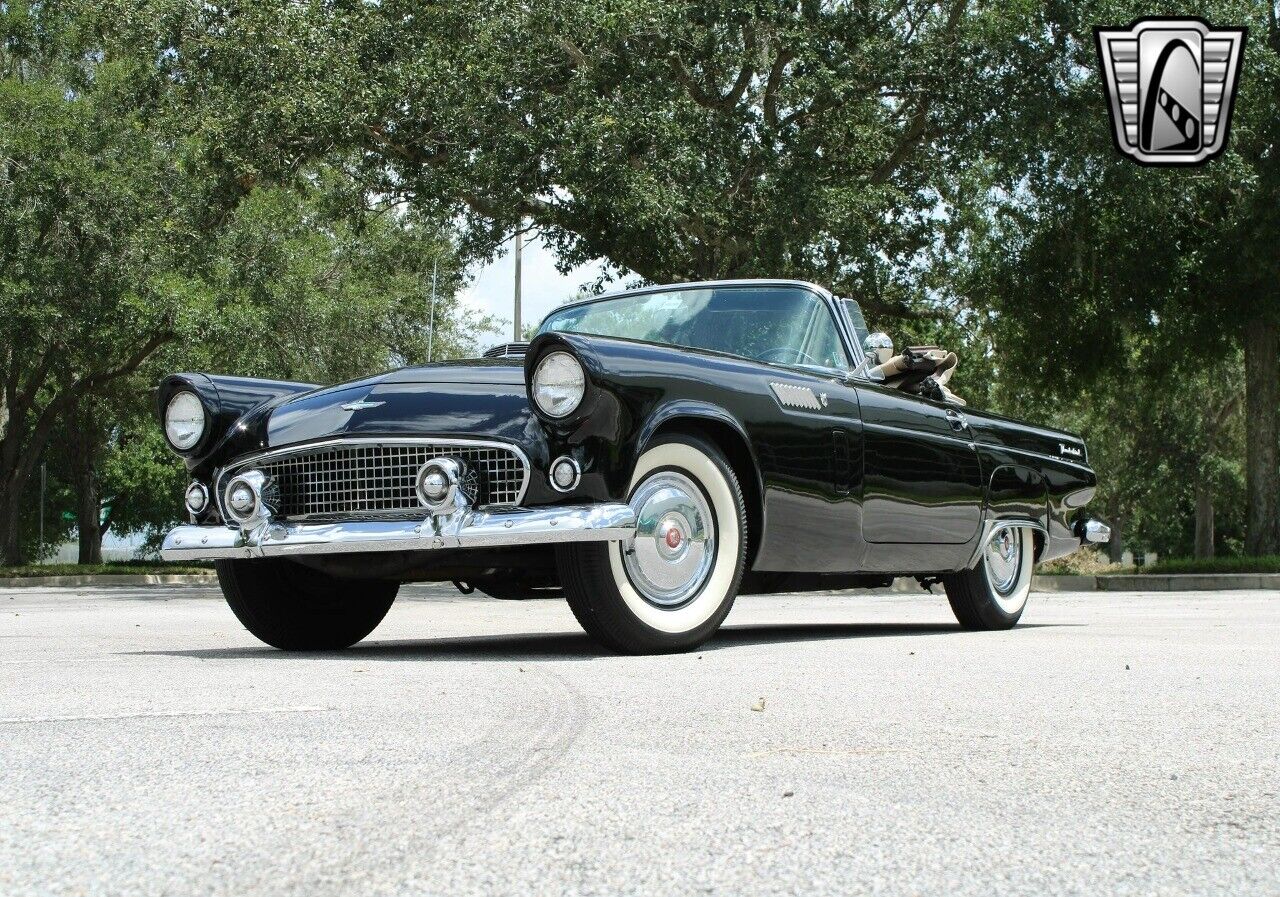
1114	743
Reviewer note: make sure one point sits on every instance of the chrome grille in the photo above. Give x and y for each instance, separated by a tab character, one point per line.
353	478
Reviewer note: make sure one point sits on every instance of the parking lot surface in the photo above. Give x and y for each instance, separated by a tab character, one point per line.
1114	743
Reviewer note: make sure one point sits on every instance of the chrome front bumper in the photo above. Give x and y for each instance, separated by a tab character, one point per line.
464	528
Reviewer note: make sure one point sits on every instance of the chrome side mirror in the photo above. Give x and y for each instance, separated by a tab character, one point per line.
878	348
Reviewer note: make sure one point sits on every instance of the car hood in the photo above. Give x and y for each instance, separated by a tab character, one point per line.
475	398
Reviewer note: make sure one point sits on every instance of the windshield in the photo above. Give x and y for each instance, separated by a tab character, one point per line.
780	324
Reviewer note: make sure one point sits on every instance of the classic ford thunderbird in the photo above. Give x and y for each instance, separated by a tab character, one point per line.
650	455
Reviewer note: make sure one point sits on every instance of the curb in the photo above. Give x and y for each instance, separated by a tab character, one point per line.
1142	582
129	579
1151	582
1188	582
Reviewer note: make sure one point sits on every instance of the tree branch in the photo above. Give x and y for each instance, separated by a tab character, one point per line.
713	99
575	54
24	399
403	150
20	469
770	102
914	134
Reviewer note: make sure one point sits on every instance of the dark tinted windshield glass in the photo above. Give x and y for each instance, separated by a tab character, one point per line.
785	325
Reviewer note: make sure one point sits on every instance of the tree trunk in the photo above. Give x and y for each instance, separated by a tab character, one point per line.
1262	437
1204	521
88	514
83	445
1115	545
10	514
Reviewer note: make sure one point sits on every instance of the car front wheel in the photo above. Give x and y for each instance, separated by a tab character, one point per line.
295	608
669	588
993	594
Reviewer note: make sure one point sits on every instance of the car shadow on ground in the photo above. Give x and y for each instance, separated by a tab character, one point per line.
578	646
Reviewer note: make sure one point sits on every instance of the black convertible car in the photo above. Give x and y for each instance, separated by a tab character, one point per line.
651	453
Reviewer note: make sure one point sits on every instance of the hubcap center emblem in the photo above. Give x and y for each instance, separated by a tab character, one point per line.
673	538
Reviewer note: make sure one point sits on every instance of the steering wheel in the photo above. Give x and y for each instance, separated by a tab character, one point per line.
799	356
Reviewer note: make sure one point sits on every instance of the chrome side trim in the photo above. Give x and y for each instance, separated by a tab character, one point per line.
1083	465
304	447
925	434
795	396
463	529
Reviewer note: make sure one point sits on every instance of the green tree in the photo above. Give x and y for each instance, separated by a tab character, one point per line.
679	142
94	217
1083	257
123	253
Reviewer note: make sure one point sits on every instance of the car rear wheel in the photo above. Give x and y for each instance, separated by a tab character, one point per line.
670	588
295	608
994	593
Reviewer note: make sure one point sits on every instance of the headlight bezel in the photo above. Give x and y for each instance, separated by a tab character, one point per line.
186	447
537	383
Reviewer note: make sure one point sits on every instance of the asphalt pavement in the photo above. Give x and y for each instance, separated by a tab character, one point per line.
1114	743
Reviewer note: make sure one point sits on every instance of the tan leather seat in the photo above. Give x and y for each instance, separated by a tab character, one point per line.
920	370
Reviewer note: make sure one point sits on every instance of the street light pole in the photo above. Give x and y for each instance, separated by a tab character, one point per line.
519	248
431	335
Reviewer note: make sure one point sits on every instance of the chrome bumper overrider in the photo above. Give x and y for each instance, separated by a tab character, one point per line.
463	529
1093	532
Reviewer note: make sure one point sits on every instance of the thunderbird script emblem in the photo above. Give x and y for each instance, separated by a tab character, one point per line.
1170	84
361	405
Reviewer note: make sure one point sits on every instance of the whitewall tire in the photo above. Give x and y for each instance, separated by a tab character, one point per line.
671	587
994	593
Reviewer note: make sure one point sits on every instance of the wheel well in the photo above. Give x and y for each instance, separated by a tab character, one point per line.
738	454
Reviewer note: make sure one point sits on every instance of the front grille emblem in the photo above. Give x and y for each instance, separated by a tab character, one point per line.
1170	84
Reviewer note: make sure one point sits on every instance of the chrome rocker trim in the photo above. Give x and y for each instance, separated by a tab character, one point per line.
463	529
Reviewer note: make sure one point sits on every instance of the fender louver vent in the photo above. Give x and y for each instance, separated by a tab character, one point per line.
507	350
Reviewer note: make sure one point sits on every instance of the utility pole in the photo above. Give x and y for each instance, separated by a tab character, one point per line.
519	248
43	480
431	335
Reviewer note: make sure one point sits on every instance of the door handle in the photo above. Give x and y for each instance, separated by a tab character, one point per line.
957	420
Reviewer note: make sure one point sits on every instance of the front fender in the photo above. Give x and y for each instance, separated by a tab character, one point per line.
685	408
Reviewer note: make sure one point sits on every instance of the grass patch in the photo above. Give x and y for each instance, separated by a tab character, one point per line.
1089	562
1265	564
114	568
1094	563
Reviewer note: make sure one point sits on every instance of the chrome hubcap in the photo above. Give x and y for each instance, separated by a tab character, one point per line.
1003	557
674	547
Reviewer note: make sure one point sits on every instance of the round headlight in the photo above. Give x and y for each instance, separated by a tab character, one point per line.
184	421
558	384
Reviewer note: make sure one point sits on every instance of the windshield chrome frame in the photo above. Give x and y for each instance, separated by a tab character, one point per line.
843	328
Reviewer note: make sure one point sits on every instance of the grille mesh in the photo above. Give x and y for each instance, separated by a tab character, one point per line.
344	481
